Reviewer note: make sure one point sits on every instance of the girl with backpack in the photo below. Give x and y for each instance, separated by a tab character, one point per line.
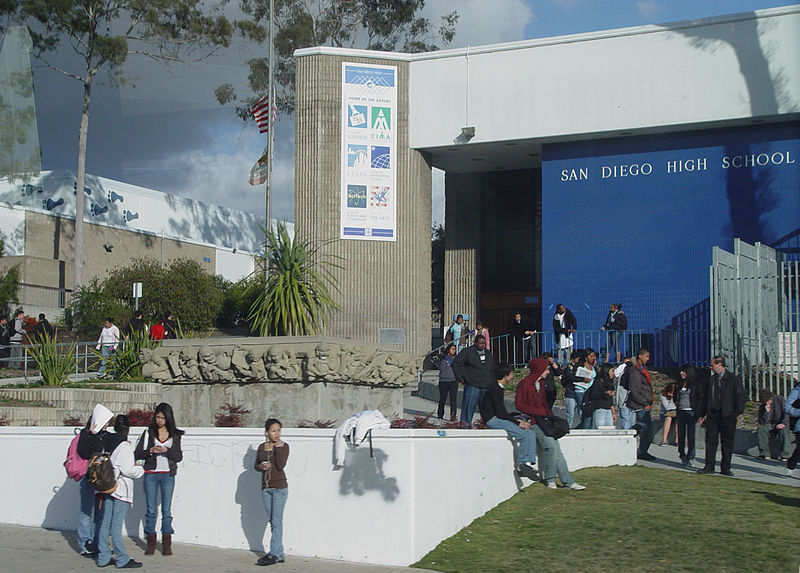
116	503
93	439
160	448
270	460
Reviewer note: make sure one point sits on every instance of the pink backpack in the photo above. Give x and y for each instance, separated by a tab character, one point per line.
75	465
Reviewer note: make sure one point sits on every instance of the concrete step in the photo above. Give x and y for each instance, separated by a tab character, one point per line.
33	416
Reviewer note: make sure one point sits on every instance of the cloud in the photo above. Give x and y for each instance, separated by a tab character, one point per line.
477	25
649	8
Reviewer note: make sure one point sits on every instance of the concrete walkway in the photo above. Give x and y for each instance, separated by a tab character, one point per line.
37	550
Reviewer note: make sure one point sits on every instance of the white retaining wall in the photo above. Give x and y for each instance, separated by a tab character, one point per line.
420	487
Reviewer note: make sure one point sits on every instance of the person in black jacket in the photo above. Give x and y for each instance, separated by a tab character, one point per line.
474	368
550	378
170	328
136	325
598	400
160	448
616	323
568	379
773	422
496	417
722	402
522	329
564	324
43	327
687	401
93	439
636	380
5	335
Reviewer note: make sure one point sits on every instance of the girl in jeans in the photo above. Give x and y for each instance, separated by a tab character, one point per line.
270	460
160	448
116	503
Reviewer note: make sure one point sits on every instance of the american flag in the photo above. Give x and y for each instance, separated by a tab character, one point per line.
260	111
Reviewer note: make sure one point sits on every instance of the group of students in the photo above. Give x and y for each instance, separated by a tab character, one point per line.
155	457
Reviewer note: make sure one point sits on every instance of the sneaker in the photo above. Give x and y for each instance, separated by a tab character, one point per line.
551	485
89	549
576	486
528	470
132	564
268	559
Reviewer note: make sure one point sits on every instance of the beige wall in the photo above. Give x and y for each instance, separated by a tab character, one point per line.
49	239
462	246
381	284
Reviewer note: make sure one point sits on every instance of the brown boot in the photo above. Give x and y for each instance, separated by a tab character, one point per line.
166	544
151	544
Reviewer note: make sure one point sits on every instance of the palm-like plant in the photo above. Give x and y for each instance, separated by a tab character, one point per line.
297	299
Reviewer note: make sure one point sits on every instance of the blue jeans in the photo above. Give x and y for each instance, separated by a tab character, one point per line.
602	417
472	396
274	503
626	418
107	352
114	511
552	463
153	483
88	506
573	403
527	438
644	423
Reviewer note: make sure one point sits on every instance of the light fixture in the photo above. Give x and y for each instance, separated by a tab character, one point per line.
466	134
108	247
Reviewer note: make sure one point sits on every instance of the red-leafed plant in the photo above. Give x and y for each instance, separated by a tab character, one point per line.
231	416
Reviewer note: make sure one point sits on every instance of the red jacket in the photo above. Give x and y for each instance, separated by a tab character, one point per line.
531	401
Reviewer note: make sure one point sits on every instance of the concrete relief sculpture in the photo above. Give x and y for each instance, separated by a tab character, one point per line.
275	360
282	364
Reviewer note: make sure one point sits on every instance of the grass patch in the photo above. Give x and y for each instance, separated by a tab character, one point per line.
632	519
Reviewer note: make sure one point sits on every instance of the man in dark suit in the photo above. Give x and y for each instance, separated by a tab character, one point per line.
522	329
722	401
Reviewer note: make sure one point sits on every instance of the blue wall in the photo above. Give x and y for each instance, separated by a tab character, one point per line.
634	221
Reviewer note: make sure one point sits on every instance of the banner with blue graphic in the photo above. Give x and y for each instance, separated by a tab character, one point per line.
368	153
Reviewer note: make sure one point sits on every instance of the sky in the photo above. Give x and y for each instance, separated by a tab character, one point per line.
164	129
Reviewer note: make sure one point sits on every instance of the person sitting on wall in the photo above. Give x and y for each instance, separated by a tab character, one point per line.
474	368
493	411
773	423
531	399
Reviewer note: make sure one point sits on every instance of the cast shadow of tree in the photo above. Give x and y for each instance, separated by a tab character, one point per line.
362	473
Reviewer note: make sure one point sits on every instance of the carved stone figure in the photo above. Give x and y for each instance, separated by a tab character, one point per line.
154	366
191	373
209	369
282	364
323	364
256	364
239	364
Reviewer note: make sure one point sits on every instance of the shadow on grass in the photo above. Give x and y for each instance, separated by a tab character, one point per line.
779	499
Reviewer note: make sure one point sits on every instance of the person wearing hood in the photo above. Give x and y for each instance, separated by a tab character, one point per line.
116	503
531	399
93	439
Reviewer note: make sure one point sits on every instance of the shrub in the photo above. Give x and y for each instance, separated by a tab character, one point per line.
90	305
55	361
230	416
125	362
138	417
316	424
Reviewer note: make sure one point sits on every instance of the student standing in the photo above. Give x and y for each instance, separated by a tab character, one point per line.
270	460
116	504
160	448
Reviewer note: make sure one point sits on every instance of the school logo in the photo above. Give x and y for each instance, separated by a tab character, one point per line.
381	118
357	196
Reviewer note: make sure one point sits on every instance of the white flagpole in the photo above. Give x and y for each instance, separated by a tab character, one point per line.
270	105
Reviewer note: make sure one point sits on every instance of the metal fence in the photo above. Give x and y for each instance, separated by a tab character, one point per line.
19	357
668	347
755	319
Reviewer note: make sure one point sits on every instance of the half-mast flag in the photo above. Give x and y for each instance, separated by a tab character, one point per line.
260	111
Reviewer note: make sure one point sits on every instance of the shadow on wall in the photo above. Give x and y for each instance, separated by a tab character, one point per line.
248	497
362	473
65	502
747	195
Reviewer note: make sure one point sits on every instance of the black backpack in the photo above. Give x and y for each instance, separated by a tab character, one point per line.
100	474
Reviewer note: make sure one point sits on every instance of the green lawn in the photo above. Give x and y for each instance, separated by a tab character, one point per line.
633	519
